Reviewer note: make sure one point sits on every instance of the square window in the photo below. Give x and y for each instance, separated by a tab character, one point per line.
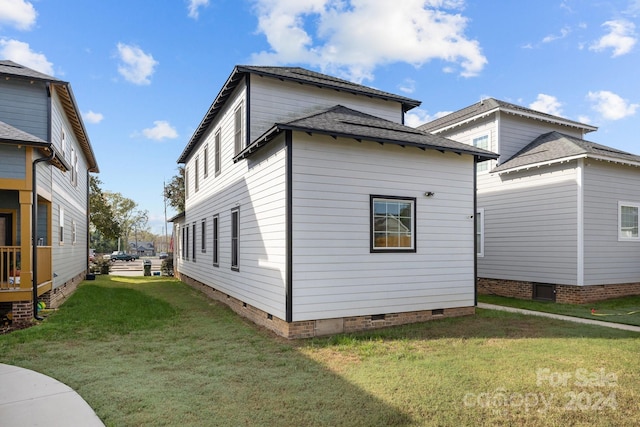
393	224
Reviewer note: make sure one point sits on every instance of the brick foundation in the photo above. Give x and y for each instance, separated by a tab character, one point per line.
55	297
320	327
566	294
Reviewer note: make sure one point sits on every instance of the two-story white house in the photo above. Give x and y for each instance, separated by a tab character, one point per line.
312	209
557	214
45	159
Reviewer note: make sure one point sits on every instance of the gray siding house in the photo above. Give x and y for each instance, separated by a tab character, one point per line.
557	215
312	209
45	159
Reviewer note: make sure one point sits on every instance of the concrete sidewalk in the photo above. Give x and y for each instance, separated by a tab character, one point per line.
561	317
29	399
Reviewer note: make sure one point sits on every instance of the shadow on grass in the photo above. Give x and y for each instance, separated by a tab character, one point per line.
156	352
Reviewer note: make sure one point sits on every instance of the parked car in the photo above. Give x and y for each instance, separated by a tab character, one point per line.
121	256
163	255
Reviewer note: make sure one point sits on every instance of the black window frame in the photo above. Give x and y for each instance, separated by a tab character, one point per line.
215	229
235	239
203	236
372	199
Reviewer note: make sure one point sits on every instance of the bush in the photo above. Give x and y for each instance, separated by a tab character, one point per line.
103	265
167	266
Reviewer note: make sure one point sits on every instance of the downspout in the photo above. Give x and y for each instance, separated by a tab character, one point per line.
475	231
34	231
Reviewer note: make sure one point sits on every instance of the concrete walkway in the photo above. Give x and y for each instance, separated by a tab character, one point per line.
561	317
29	399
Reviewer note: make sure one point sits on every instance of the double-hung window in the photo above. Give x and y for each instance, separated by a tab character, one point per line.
193	243
216	153
235	239
197	173
214	231
237	134
206	161
203	236
393	224
480	232
628	221
482	142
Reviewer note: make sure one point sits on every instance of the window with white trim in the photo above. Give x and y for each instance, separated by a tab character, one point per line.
73	232
206	161
483	143
628	221
393	224
216	153
186	183
237	133
480	232
197	167
61	224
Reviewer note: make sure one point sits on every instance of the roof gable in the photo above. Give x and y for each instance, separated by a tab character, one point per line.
10	69
293	74
491	105
340	121
554	147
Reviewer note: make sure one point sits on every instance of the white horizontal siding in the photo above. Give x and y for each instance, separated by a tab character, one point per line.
273	100
334	273
607	260
255	186
517	132
531	228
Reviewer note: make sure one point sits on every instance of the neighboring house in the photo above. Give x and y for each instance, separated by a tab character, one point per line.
45	155
312	209
142	248
557	215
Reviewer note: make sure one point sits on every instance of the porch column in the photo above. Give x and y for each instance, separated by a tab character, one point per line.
26	271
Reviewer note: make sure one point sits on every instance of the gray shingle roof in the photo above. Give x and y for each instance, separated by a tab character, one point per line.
10	68
13	135
340	121
294	74
490	105
555	146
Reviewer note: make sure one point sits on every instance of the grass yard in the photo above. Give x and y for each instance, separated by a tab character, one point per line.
618	310
146	351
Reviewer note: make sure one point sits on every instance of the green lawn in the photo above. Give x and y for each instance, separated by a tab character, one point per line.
619	310
152	351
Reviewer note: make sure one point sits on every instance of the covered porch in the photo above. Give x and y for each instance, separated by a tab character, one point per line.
16	253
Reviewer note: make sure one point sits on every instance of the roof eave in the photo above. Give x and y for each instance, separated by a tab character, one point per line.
569	159
279	127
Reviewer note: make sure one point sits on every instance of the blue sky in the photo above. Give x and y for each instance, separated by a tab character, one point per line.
144	72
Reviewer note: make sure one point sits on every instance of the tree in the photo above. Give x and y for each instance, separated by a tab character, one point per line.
101	216
174	191
125	212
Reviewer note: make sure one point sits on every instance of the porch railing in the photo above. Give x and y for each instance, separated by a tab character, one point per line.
9	267
44	264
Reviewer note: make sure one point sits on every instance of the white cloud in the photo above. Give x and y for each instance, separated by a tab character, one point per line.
137	66
621	38
564	32
611	106
547	104
194	6
161	130
418	117
91	117
408	86
21	53
17	13
353	37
